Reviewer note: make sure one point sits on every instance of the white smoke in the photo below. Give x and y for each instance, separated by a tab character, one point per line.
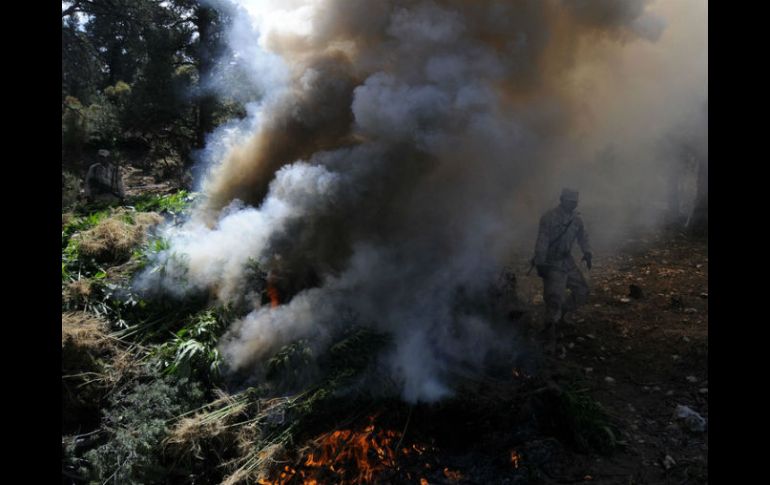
402	148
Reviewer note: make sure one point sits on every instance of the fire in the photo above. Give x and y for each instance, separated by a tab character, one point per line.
354	456
272	292
347	456
519	374
364	453
515	458
453	475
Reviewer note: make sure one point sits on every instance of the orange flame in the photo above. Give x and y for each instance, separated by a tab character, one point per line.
272	292
453	475
515	458
366	452
349	456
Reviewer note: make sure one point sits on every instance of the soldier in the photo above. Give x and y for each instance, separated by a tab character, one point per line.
103	181
559	228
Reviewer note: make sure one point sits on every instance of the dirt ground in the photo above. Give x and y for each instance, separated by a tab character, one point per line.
640	357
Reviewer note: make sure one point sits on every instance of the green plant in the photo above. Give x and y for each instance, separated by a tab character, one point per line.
174	204
289	362
192	351
149	251
134	426
585	422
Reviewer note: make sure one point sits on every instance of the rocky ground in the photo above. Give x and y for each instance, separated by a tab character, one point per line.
641	347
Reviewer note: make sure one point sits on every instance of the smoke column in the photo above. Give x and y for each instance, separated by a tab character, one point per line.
400	149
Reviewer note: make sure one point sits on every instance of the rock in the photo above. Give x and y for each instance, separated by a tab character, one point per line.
104	181
656	388
580	339
589	370
690	310
591	336
609	380
689	419
668	462
635	292
692	379
703	390
571	345
625	300
704	295
684	338
675	357
669	393
677	303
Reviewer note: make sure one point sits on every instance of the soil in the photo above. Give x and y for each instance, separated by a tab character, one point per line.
655	348
639	348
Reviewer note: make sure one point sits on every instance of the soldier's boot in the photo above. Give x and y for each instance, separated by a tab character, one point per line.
548	336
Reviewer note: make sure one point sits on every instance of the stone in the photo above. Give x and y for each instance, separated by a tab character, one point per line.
689	419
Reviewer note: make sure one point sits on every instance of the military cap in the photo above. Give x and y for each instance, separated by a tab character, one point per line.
569	194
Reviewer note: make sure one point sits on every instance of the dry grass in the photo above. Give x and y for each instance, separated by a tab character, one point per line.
85	339
66	218
146	220
113	239
190	435
84	331
226	427
78	291
190	432
256	469
93	365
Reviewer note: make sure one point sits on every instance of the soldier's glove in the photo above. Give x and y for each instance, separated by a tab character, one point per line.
587	258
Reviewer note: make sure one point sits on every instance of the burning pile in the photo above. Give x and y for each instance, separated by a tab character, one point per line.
345	457
355	456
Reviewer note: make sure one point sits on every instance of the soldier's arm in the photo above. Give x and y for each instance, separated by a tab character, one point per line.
582	238
541	246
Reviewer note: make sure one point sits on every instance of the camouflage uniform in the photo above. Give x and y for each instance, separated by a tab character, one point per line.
558	231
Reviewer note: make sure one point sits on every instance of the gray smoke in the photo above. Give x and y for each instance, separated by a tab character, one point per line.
402	148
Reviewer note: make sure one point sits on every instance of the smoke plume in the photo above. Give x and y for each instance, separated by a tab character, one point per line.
402	148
